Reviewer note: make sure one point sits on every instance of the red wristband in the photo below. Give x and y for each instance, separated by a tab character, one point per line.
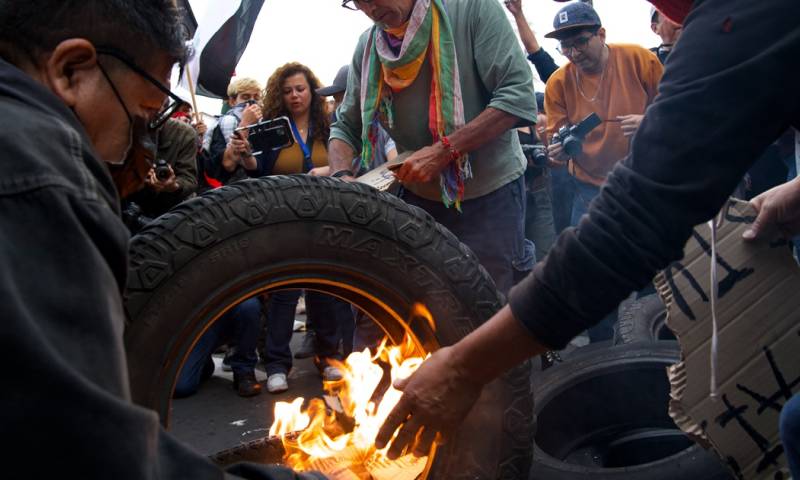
454	154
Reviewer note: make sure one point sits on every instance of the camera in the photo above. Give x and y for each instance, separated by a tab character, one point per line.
536	154
571	136
163	171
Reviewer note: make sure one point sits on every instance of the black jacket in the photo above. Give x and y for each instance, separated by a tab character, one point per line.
724	97
65	408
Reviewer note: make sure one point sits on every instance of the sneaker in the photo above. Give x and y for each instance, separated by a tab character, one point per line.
331	374
226	360
246	384
309	346
276	383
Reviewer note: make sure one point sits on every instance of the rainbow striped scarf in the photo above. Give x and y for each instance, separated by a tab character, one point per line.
428	33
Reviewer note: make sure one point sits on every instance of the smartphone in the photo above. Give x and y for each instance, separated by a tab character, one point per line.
269	135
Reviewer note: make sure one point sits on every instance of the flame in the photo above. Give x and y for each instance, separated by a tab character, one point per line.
346	427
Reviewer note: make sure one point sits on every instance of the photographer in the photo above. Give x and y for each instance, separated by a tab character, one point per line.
230	155
172	179
615	82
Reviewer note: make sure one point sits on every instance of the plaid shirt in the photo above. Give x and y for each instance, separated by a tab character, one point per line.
230	121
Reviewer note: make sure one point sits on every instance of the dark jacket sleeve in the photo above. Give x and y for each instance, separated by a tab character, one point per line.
697	140
186	161
544	64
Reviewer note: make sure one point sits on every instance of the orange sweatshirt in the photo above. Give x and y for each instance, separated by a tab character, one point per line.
628	85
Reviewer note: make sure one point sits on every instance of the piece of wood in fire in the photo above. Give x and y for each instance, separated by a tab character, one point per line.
758	319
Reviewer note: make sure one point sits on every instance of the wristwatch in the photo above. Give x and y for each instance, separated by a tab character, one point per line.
343	173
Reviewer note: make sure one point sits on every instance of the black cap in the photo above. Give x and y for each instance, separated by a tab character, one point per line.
573	16
339	83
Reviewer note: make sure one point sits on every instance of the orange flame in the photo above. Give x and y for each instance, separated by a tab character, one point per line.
314	436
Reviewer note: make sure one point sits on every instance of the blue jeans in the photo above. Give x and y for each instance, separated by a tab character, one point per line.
492	226
328	314
539	214
563	194
790	434
584	194
240	325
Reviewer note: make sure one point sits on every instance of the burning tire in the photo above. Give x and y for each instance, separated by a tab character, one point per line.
642	320
602	415
368	248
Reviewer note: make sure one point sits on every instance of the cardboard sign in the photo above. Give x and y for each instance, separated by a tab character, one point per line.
758	320
382	177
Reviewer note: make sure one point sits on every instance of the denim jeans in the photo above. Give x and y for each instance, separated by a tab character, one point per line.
239	325
563	192
492	226
584	194
327	314
539	214
790	434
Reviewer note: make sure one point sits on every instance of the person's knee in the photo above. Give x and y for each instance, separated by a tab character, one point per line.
185	387
790	424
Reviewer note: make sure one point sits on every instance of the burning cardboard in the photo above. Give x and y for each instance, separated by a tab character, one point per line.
758	324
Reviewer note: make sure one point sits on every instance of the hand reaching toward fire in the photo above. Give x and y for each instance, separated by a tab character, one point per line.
436	399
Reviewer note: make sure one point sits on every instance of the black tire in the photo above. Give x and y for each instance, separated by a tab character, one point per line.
602	414
348	240
642	320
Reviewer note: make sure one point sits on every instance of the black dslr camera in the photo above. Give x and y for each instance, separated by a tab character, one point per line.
162	169
571	136
536	154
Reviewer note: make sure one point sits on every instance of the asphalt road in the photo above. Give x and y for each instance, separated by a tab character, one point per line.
216	418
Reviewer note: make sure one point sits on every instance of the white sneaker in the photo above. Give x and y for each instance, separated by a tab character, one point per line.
331	374
276	383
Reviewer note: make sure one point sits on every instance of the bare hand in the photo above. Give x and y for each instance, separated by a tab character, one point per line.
250	115
630	123
778	212
320	171
436	399
200	128
239	146
424	165
514	6
556	152
169	184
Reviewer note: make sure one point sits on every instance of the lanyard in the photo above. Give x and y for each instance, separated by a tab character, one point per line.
307	163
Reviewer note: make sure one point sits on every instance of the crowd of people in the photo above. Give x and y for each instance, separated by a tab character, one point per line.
615	136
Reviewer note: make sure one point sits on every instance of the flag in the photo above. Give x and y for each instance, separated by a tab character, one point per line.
219	42
188	22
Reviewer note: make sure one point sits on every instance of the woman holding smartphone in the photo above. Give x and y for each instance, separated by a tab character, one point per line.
291	92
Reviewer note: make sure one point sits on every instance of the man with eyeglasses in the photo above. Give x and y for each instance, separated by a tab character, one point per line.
616	82
449	82
81	82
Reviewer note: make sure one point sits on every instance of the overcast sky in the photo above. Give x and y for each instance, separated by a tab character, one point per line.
322	35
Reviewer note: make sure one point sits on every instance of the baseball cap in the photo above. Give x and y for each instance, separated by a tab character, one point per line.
573	16
339	83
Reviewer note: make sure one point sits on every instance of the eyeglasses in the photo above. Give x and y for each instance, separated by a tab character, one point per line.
579	43
353	4
173	101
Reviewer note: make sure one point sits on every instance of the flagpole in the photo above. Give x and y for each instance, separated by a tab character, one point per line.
191	92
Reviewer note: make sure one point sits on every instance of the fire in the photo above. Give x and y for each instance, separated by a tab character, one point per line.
341	432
